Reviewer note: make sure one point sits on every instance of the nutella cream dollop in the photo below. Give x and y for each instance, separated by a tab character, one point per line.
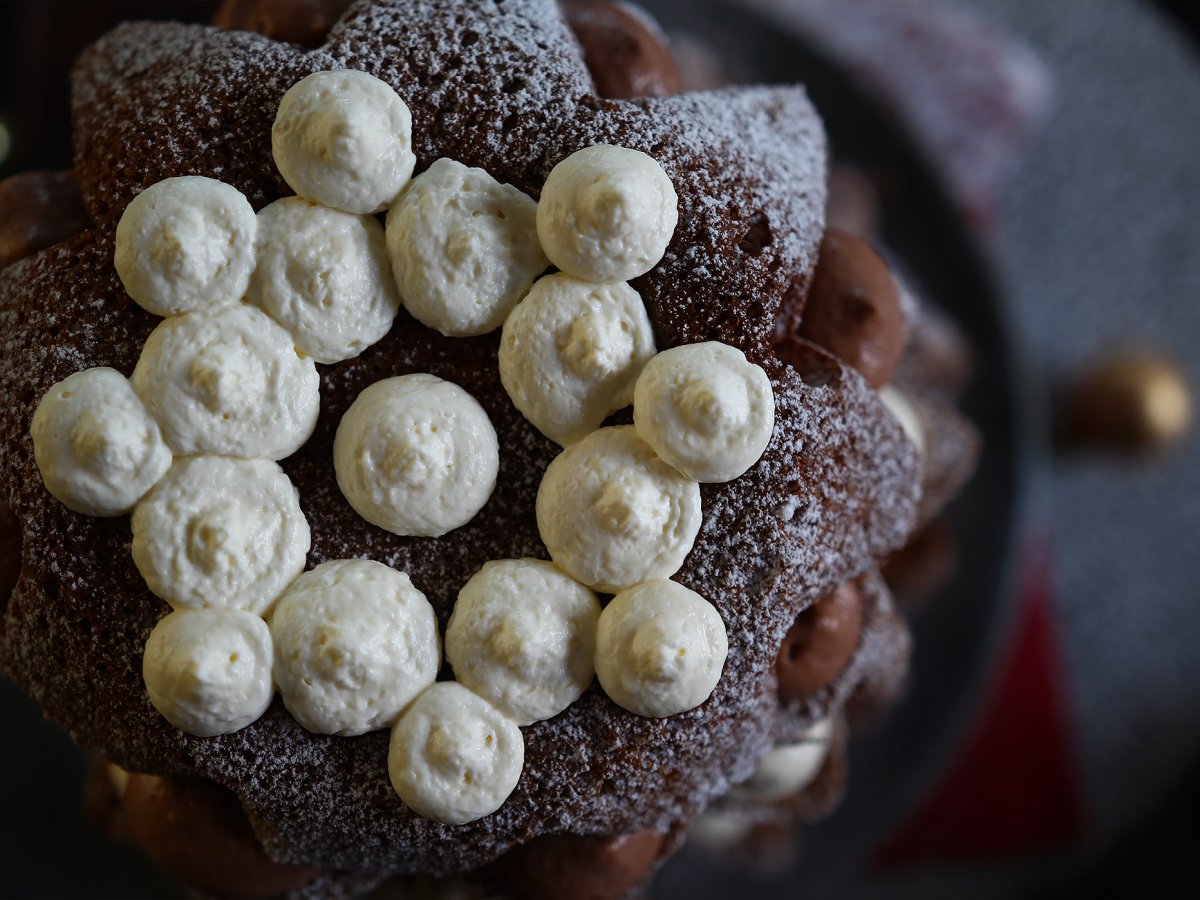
303	22
38	210
705	409
464	248
355	642
522	636
185	244
198	832
571	352
344	139
454	757
223	533
228	382
208	671
660	649
626	51
324	275
854	307
98	450
607	213
788	768
593	866
613	515
416	455
820	643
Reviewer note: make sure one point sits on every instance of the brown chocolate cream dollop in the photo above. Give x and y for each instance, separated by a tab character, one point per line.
821	642
197	831
303	22
924	564
37	210
625	50
587	868
853	308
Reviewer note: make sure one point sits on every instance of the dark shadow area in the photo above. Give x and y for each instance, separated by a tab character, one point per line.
39	42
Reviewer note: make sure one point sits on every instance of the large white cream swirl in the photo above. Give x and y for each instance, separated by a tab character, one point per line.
463	247
228	382
705	409
221	533
416	455
660	649
354	643
453	756
96	447
612	514
571	352
185	244
522	635
208	671
607	213
324	275
344	139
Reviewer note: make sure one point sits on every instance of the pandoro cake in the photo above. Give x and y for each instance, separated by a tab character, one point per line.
435	448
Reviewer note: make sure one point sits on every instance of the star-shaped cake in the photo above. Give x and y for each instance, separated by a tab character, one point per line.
502	86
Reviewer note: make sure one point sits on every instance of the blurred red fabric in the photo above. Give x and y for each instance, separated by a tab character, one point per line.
1013	789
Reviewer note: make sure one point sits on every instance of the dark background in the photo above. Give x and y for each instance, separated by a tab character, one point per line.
38	43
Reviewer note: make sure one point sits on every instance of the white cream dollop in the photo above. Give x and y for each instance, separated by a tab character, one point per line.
98	450
612	514
228	382
355	642
220	533
208	671
184	244
719	829
571	352
344	139
660	649
522	636
464	248
705	409
900	406
324	275
788	768
454	757
607	213
416	455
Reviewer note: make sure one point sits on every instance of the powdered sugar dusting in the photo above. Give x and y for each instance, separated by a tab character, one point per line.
155	101
835	489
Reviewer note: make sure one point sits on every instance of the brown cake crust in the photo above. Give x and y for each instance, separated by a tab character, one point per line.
871	682
500	86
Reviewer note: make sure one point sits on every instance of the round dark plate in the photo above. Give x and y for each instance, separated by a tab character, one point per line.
48	850
958	633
